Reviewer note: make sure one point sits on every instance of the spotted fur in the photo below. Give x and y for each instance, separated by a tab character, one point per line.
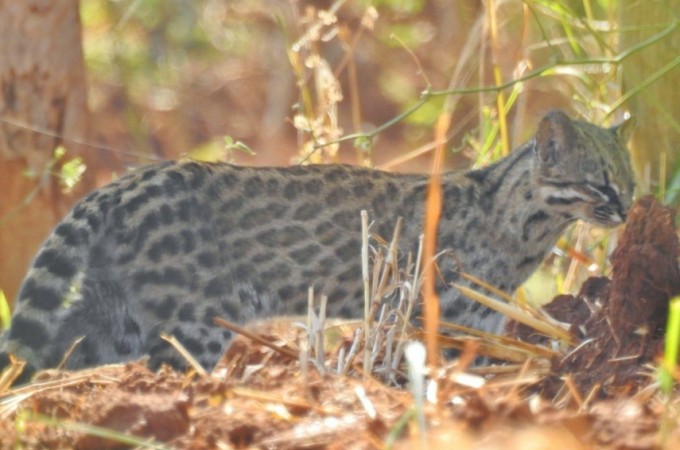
170	246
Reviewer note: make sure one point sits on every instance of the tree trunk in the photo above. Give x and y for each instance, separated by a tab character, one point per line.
43	105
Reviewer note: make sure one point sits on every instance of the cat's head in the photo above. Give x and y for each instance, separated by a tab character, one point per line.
585	170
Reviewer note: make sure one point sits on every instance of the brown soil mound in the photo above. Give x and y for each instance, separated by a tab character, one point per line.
620	323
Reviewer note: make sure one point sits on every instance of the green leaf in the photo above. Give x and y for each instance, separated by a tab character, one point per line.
363	143
5	314
670	359
71	173
231	144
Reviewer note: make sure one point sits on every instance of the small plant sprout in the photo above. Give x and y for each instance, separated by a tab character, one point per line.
670	360
230	144
71	171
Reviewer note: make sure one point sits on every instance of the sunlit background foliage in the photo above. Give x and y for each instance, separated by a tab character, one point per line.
173	77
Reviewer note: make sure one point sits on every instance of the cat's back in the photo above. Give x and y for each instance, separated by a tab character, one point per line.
169	246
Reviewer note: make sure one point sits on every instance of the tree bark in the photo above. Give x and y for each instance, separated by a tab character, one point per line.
43	104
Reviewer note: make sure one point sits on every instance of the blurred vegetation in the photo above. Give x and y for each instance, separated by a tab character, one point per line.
174	77
364	82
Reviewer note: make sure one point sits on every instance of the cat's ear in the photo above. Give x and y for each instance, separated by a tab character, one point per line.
555	136
625	129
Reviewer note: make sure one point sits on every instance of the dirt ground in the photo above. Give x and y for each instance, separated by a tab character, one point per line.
599	392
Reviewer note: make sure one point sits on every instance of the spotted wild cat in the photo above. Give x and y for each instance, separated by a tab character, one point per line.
169	246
